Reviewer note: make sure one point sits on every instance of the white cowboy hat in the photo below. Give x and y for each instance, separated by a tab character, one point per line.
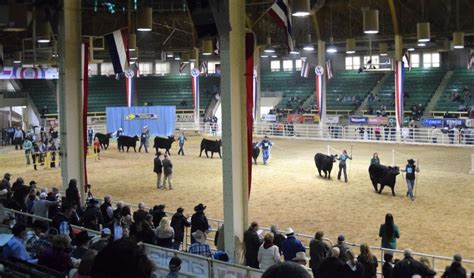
300	256
289	231
199	236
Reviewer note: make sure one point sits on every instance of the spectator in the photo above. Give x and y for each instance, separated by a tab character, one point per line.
158	169
302	260
61	221
14	248
104	240
353	268
368	260
388	265
57	257
139	215
426	262
18	138
252	243
389	232
318	250
122	259
126	217
92	216
85	267
178	223
167	171
164	233
278	237
43	243
199	220
30	201
409	267
175	267
199	247
54	196
285	270
118	208
219	241
28	146
82	245
158	213
341	244
456	269
268	253
221	256
38	228
107	211
332	266
20	191
142	232
72	193
291	245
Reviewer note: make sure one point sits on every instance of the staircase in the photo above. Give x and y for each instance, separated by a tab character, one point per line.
375	91
438	93
212	107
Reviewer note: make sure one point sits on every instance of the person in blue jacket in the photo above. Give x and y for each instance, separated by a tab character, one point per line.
265	144
342	164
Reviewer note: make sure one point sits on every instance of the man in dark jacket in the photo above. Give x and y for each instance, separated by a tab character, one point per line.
408	267
278	237
61	221
341	244
199	220
332	266
158	169
167	171
20	190
252	243
291	245
318	250
107	211
158	213
92	217
179	222
140	214
455	270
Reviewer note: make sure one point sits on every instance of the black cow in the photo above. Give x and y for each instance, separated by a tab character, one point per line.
127	141
163	143
383	175
103	139
255	152
324	162
212	146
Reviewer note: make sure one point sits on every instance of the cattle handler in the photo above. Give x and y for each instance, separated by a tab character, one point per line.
265	144
342	164
410	170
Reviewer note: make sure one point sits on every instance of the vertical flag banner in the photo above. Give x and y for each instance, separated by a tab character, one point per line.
406	60
281	13
470	63
204	69
117	42
195	87
319	71
399	77
255	80
249	81
85	95
182	67
130	86
329	69
304	68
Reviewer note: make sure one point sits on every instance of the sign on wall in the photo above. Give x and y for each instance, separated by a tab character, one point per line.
29	73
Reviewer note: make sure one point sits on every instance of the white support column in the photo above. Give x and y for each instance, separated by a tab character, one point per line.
196	112
234	166
70	94
322	63
256	60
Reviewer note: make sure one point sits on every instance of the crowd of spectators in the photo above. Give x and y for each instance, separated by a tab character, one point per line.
118	250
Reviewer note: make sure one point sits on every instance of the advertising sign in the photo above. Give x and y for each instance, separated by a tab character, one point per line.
223	271
454	122
358	120
332	119
29	73
269	118
185	117
377	120
195	267
438	122
295	118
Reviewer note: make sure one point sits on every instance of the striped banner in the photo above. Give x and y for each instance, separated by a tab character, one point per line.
399	76
304	69
85	96
195	87
319	89
130	87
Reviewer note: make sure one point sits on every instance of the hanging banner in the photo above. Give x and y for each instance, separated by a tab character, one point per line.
319	70
29	73
195	87
399	76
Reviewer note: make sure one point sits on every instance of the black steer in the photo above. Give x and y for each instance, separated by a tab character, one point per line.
212	146
255	152
127	141
383	175
104	139
324	163
163	143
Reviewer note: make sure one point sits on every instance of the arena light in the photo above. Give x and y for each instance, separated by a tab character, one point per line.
421	44
294	52
274	56
185	57
458	40
331	49
423	31
43	34
300	8
17	57
132	42
370	20
263	56
383	49
308	47
169	55
350	46
411	49
207	47
144	19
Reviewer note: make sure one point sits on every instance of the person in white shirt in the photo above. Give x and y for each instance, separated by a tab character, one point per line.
268	254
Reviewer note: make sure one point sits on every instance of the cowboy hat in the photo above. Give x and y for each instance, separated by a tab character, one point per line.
411	161
300	256
199	207
289	231
199	236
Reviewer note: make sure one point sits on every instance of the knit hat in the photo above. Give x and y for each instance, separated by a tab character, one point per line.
457	258
341	238
175	263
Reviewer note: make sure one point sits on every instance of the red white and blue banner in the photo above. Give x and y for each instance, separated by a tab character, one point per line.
470	63
130	88
254	90
281	13
182	67
195	87
85	96
304	69
29	73
319	71
117	42
329	69
399	77
250	77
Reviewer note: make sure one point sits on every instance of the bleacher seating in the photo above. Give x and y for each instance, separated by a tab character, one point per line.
349	83
459	79
42	94
420	84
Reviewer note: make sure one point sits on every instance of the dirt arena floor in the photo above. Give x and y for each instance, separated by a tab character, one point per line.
288	191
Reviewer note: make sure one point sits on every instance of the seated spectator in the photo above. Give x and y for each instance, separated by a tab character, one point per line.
104	240
122	259
14	248
164	233
200	247
332	266
285	270
221	256
174	266
455	269
341	244
291	245
368	260
268	254
353	268
57	257
388	265
82	245
61	221
409	267
43	243
252	244
35	234
85	267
